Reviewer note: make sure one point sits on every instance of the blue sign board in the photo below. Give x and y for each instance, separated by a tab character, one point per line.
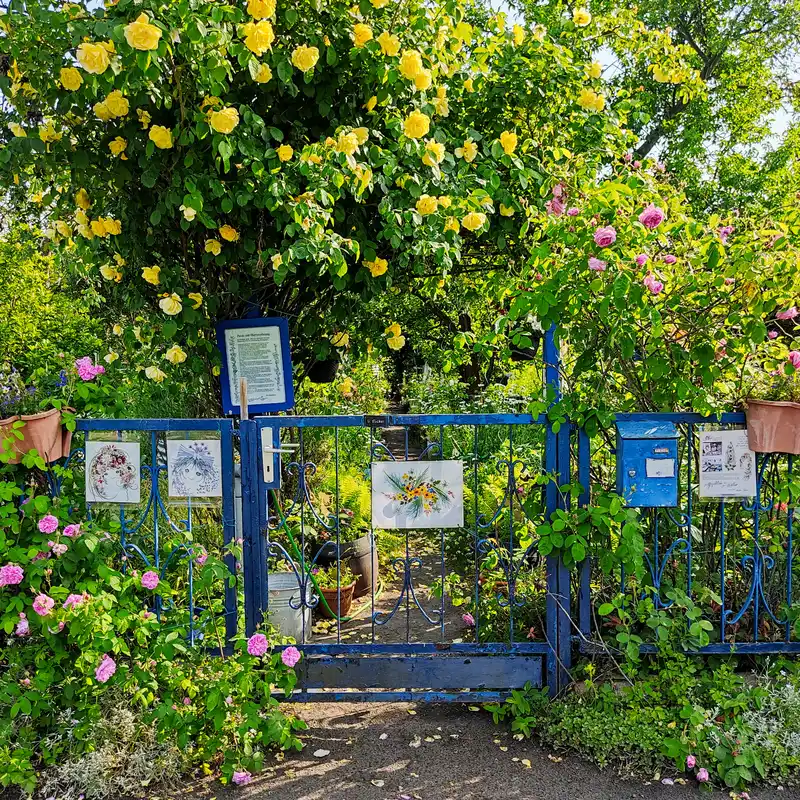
257	350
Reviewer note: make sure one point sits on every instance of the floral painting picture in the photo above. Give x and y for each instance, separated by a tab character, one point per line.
113	472
194	468
417	494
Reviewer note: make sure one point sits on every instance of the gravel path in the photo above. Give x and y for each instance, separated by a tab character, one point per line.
399	751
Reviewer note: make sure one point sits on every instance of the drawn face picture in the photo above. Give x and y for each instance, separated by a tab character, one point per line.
194	468
417	494
112	472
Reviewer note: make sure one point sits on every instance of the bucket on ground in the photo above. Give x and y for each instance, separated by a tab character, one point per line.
284	587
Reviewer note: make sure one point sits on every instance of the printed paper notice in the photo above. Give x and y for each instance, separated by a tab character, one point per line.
727	465
255	354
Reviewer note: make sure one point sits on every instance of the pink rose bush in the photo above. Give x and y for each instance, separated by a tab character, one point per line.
11	575
88	371
596	264
150	580
605	237
43	604
290	656
257	645
105	669
652	217
48	524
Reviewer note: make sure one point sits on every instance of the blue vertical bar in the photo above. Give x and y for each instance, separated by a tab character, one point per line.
584	478
722	570
564	604
254	550
228	525
789	549
689	450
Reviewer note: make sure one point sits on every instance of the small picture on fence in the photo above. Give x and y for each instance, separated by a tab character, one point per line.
417	494
194	468
113	472
727	465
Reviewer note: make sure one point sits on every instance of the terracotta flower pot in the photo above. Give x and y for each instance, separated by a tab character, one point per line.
42	432
773	426
332	598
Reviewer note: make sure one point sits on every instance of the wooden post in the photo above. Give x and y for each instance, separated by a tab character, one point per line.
245	412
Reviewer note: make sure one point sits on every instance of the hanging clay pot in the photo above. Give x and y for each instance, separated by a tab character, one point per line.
41	432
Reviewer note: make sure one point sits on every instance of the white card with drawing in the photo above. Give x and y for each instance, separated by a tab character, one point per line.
113	472
194	467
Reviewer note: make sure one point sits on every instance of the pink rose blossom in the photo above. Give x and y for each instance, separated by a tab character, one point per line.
655	286
702	775
228	701
637	164
11	575
790	313
150	579
554	207
773	334
652	217
605	237
573	212
661	166
628	157
257	644
794	358
290	656
690	762
202	557
105	669
469	620
74	600
48	524
26	681
670	259
558	190
241	778
88	371
72	530
730	281
58	548
596	264
23	626
724	232
43	604
641	259
187	701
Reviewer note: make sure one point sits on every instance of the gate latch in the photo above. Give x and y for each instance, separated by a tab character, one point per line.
377	421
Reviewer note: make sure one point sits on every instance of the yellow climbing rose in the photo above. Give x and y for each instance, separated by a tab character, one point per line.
261	9
171	304
594	70
98	229
213	246
380	3
305	57
340	339
117	329
161	137
48	132
427	205
423	80
264	74
117	146
175	355
506	211
473	220
102	111
17	130
410	64
259	36
285	152
416	125
224	120
71	79
347	143
144	117
155	374
390	44
63	228
377	267
371	103
111	357
591	100
228	233
196	298
93	58
112	226
469	85
395	339
108	272
518	32
581	17
151	274
141	35
434	153
468	151
361	34
508	141
452	224
361	134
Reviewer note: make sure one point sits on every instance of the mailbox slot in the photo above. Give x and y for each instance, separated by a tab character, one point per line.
647	464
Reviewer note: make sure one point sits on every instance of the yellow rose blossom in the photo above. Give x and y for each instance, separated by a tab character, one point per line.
196	298
508	141
518	32
276	260
117	146
224	120
102	111
380	3
377	267
119	259
445	201
259	36
474	220
112	226
81	218
285	152
63	228
581	17
305	57
423	80
347	387
175	355
427	205
155	374
469	85
150	274
361	34
98	229
117	329
48	133
340	339
468	151
141	35
347	143
189	213
82	199
361	134
161	137
171	304
410	64
395	339
591	100
213	246
85	231
371	103
539	32
17	130
229	234
144	117
416	125
440	102
111	357
452	224
264	74
434	153
261	9
390	44
93	58
594	70
108	272
70	79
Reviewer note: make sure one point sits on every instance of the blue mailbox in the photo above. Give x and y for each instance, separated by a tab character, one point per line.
647	464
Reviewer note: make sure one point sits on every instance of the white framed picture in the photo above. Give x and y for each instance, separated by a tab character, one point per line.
727	465
417	494
113	472
194	467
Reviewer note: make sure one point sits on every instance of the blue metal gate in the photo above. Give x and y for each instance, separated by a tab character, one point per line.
408	642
